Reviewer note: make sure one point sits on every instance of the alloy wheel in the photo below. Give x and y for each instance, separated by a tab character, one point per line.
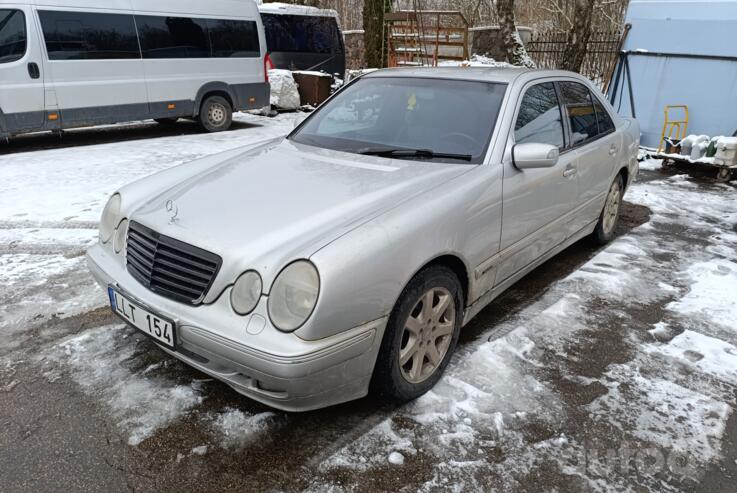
427	335
611	208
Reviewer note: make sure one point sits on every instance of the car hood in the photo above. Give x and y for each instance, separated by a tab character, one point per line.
282	201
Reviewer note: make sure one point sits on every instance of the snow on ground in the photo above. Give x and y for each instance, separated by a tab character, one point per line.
621	376
105	361
51	201
497	390
236	428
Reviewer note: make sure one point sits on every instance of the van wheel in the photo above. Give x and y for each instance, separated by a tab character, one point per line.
216	114
420	336
166	121
609	217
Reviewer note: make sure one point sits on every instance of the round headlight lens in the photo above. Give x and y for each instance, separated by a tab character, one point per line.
109	218
246	292
120	234
293	295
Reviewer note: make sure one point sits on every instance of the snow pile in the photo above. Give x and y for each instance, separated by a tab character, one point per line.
474	61
238	429
284	91
711	295
102	362
372	448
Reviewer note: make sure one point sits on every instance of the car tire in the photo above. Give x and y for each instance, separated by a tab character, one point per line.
400	381
609	218
216	114
166	121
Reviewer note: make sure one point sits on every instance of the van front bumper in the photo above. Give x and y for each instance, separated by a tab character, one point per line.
272	367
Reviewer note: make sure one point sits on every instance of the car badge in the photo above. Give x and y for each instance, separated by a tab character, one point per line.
173	211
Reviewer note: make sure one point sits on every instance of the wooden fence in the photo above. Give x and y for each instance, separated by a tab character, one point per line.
546	49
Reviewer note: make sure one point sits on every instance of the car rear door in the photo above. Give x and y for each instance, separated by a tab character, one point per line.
597	144
537	202
21	78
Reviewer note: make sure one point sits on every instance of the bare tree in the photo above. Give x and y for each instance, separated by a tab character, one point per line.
578	36
373	27
516	52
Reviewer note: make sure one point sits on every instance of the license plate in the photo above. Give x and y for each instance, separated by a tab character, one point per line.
142	319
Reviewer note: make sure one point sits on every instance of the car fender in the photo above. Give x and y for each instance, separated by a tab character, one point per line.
364	272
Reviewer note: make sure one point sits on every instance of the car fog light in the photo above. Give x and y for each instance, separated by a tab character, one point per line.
120	234
246	292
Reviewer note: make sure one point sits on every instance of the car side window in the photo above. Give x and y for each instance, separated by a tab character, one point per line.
579	106
539	119
12	35
605	122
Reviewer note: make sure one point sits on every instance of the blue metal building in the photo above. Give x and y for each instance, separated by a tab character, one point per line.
679	52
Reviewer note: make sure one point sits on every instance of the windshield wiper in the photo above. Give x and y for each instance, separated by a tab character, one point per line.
410	153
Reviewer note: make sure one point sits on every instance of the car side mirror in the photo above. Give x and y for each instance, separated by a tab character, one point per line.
534	155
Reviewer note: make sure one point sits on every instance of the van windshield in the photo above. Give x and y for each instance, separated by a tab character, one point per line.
408	118
12	35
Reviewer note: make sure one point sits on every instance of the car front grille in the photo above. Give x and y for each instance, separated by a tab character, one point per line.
169	267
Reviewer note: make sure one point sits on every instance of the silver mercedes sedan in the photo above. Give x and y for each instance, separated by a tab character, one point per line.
346	256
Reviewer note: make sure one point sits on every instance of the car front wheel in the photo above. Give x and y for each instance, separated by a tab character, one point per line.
609	217
421	335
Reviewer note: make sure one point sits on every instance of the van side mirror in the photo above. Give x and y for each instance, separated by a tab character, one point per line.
534	155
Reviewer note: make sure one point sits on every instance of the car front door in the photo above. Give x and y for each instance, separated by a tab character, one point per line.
21	80
597	145
537	202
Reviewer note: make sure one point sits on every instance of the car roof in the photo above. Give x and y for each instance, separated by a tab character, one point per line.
484	74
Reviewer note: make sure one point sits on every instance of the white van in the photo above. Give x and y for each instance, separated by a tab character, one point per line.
72	63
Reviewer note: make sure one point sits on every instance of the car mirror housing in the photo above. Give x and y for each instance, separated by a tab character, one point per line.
534	155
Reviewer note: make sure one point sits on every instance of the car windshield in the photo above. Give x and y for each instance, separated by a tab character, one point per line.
408	118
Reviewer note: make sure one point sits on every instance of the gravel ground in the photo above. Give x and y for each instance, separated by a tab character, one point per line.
608	369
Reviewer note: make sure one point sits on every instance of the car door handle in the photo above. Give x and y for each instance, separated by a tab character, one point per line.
613	150
34	71
570	171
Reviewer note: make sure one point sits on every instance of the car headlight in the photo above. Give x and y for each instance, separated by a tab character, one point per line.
246	292
109	218
120	233
293	295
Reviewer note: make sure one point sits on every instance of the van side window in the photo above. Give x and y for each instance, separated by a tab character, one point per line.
12	35
173	37
184	37
539	118
234	38
580	109
89	36
605	122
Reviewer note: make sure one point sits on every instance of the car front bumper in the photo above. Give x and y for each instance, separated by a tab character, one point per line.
248	353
